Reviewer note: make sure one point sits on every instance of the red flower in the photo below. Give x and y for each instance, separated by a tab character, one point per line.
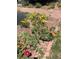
27	53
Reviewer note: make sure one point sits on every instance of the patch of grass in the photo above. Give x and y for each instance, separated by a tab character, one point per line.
56	48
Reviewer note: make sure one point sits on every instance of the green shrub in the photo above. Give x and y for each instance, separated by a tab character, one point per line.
25	23
24	3
30	6
38	5
36	23
51	5
33	18
59	4
42	34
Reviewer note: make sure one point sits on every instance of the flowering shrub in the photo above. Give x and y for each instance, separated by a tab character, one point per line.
32	18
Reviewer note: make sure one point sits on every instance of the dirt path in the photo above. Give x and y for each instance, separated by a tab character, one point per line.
30	10
53	12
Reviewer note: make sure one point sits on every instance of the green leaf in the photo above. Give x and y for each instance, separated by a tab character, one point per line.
26	58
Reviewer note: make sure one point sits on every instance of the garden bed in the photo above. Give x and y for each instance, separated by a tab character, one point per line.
35	37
